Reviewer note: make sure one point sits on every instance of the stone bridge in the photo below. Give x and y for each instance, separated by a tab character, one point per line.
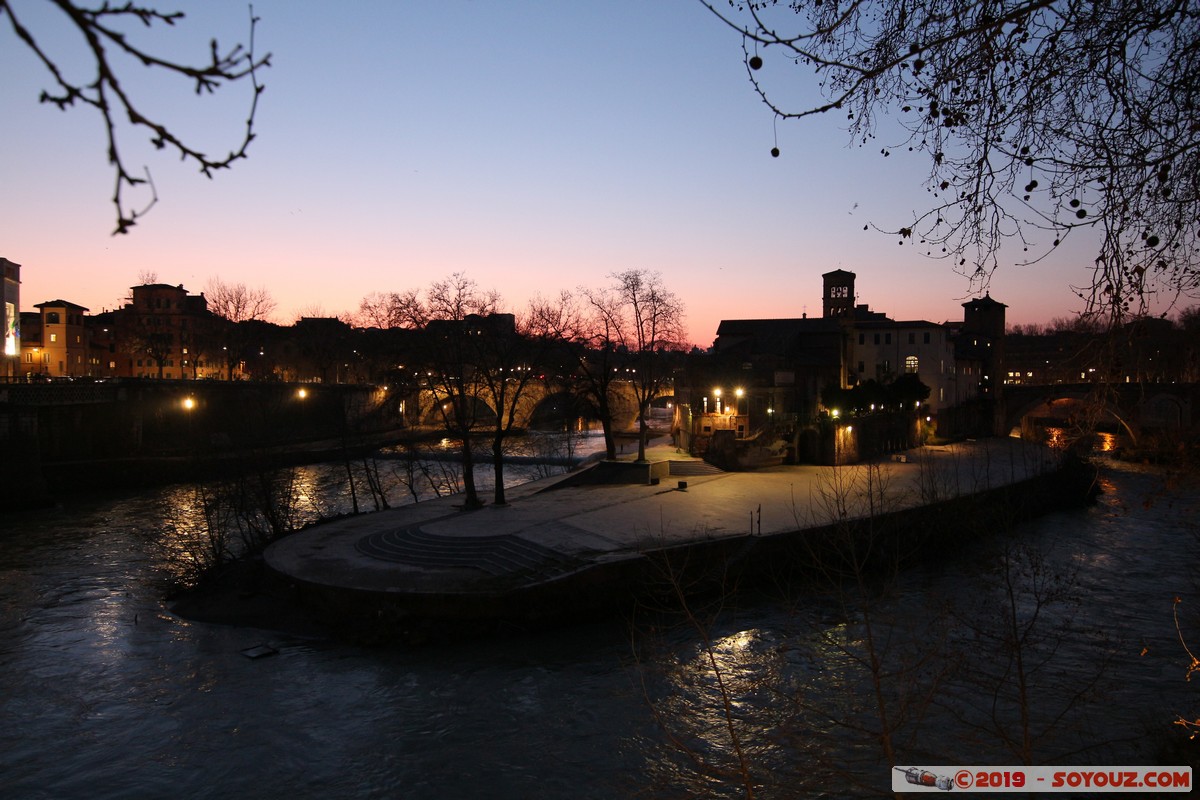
1128	408
542	407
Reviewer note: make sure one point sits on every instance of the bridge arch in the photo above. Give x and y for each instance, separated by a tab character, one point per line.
561	410
432	410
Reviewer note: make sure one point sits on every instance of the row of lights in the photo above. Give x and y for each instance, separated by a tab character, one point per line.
189	403
738	393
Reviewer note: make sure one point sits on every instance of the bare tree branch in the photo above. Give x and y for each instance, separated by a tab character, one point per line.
106	93
1041	118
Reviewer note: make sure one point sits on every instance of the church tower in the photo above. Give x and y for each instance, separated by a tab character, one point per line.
838	298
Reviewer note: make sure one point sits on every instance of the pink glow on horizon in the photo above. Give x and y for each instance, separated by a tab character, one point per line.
535	149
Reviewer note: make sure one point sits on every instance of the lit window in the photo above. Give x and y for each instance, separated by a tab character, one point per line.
910	364
54	337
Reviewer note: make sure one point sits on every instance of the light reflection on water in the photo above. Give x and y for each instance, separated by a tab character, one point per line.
108	696
1099	441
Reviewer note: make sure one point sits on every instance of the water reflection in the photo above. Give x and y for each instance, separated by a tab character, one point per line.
116	698
1099	441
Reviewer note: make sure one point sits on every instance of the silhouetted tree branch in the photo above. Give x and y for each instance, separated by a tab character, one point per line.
103	38
1040	118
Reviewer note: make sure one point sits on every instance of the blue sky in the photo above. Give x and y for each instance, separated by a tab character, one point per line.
535	146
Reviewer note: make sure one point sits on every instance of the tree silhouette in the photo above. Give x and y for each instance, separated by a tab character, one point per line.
641	321
106	39
1040	118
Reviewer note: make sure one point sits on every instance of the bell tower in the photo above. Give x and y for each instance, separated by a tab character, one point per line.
838	297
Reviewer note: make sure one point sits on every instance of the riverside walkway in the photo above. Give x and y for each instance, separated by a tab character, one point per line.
436	555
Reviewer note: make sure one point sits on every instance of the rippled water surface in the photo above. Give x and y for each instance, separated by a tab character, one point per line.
105	694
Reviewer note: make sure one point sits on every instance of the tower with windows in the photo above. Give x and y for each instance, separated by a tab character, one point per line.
838	297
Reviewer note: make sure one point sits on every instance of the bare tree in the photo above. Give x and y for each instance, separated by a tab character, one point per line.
237	303
449	315
509	362
1040	118
588	332
105	38
642	321
387	310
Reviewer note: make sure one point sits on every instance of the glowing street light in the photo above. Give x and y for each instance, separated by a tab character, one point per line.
189	403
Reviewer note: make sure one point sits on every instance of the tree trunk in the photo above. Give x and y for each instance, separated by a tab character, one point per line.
498	466
471	500
643	434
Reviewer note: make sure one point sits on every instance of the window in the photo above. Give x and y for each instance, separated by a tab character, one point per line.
862	338
54	337
926	337
887	338
51	317
912	338
877	338
861	368
910	365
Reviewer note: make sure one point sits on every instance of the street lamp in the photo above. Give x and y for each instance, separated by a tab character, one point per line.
717	394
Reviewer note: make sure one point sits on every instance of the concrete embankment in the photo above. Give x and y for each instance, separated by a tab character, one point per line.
561	552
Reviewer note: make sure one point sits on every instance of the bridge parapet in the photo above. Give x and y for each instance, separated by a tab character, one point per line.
1149	406
57	394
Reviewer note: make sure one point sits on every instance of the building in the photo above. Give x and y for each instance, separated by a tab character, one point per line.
10	318
55	341
771	373
162	332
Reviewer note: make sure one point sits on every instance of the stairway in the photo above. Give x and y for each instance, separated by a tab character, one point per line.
693	468
495	555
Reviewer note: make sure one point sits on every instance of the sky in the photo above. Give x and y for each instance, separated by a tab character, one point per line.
534	145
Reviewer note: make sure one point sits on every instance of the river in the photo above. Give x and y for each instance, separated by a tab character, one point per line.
107	695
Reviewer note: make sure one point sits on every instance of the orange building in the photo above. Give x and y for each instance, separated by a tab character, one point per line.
54	341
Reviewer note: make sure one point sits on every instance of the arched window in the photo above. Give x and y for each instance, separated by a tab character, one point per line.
910	364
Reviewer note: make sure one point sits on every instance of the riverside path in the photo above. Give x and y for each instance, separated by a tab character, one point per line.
433	558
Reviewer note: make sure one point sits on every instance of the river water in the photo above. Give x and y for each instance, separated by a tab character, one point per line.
104	694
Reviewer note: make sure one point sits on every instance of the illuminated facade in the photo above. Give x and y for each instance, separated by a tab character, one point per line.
10	318
55	342
162	332
783	366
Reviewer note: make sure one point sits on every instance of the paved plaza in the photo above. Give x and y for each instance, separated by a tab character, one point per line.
547	531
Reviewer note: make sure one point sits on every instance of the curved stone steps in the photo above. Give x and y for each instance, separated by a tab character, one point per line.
495	555
694	468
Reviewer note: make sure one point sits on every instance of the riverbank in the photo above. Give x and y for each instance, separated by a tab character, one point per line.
559	552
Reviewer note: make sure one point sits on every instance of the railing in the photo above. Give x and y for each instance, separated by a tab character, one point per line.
53	394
